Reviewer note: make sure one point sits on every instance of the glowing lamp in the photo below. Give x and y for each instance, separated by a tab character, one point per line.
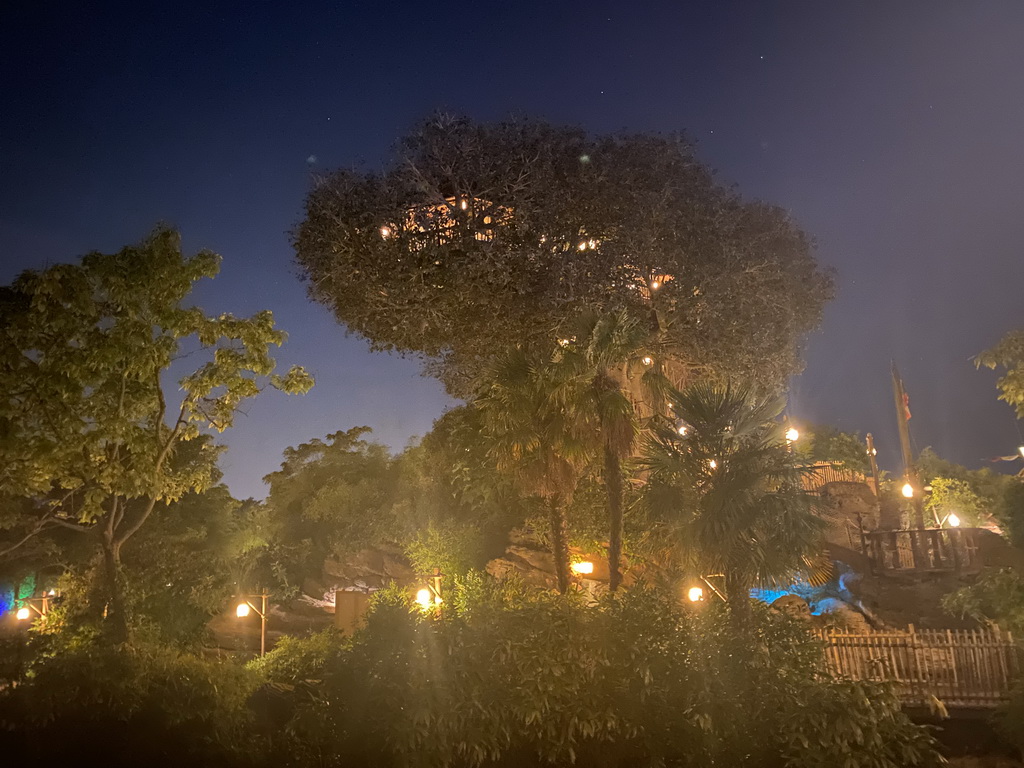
908	491
584	567
953	520
242	610
695	594
424	597
655	285
792	434
713	464
647	360
385	232
23	614
682	429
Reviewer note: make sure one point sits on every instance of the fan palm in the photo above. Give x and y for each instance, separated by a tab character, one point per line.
535	437
597	370
724	480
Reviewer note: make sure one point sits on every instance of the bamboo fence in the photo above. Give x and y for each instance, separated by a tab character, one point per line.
959	667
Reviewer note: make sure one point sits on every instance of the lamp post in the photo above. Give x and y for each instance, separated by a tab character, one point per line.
38	605
245	607
429	597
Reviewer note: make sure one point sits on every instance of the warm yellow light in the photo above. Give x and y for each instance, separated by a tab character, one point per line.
242	610
655	285
385	232
583	246
464	205
713	464
683	429
23	614
1021	449
583	567
908	491
792	434
424	597
953	520
647	360
695	594
563	342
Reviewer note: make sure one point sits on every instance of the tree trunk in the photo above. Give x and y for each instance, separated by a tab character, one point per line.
115	616
559	542
613	487
737	593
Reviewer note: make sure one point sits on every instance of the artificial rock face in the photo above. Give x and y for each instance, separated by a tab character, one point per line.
794	606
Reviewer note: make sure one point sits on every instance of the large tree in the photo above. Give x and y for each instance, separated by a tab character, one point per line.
478	237
89	428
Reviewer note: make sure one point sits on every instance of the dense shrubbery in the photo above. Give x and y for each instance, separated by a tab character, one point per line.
84	702
514	677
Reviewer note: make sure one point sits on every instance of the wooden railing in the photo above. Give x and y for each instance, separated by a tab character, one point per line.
930	549
824	472
960	668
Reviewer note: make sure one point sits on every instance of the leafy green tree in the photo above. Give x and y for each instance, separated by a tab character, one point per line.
331	498
483	236
955	497
1008	355
1009	511
726	486
88	425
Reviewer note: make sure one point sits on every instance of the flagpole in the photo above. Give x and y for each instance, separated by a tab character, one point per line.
902	417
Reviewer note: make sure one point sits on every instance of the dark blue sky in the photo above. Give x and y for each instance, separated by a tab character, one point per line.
891	131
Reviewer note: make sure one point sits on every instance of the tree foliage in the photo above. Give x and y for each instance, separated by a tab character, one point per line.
510	676
726	489
479	237
1008	355
88	427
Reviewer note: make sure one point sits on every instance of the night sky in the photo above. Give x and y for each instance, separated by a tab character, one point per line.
891	130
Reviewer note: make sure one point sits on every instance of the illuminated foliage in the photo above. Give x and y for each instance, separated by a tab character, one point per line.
514	676
89	426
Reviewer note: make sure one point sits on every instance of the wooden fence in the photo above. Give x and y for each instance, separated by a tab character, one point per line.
930	549
960	667
824	472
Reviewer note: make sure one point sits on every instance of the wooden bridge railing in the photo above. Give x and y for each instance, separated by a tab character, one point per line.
961	668
929	549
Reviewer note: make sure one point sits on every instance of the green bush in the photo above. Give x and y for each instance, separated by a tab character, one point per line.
87	703
508	676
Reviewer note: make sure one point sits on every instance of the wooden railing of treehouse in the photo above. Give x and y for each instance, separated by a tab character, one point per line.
964	668
822	473
930	549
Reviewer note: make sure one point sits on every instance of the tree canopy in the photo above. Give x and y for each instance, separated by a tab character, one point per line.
482	236
89	430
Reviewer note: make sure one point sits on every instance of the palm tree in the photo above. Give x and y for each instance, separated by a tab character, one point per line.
601	364
535	437
724	480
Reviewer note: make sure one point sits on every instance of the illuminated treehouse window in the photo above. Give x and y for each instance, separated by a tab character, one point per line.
443	223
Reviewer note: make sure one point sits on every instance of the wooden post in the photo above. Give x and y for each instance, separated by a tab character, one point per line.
872	454
900	398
